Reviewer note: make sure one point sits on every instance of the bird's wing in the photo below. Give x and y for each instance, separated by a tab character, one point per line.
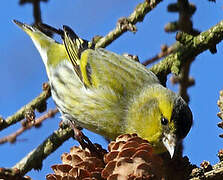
74	46
101	68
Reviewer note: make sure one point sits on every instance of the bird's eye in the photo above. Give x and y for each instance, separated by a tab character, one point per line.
164	121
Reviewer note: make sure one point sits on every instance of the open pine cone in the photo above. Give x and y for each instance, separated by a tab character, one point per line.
78	164
129	158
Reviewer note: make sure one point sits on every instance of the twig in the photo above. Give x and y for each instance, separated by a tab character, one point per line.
37	11
137	16
184	23
165	50
34	159
36	8
39	103
27	125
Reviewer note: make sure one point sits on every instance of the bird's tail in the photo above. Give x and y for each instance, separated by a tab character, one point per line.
51	51
74	45
39	33
27	28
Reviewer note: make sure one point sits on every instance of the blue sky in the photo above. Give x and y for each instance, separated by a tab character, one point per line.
22	71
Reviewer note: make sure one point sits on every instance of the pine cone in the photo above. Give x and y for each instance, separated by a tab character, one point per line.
78	164
130	157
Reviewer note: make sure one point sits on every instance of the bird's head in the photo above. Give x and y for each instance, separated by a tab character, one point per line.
161	117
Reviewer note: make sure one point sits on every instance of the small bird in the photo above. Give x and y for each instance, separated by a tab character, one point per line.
110	94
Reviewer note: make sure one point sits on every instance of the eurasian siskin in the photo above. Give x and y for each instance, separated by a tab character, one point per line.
110	94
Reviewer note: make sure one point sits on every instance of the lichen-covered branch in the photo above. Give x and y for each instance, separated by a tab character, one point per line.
34	159
12	174
191	46
213	173
39	104
128	23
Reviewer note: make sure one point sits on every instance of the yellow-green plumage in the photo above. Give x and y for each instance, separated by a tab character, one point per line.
110	94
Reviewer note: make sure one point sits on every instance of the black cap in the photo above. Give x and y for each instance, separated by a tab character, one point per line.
182	117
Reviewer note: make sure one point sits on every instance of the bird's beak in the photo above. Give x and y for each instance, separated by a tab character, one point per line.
169	141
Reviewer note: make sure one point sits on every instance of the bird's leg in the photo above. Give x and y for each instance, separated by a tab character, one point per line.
85	142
